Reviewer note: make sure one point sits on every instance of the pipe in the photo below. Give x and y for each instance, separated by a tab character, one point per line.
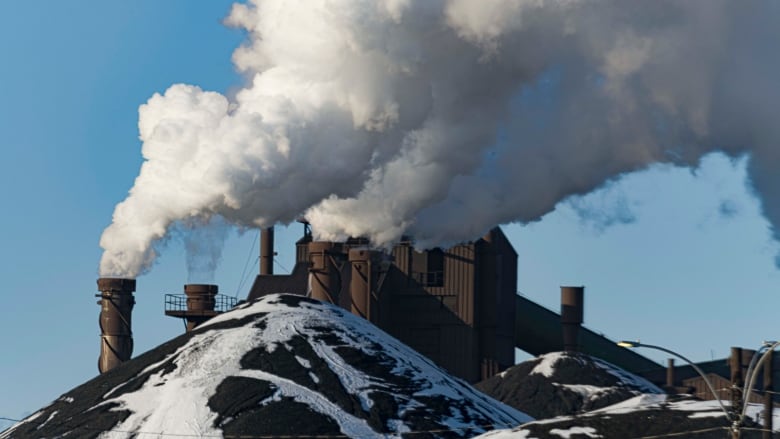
572	299
670	381
267	251
116	335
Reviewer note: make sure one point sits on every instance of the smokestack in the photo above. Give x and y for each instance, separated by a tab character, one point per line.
323	275
116	335
571	316
267	251
201	301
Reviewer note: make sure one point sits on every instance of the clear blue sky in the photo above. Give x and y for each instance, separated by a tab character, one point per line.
668	256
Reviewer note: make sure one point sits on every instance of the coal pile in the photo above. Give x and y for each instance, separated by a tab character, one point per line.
644	416
281	365
564	383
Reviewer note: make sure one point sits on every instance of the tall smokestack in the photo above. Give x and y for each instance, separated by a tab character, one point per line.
571	316
116	335
267	251
323	275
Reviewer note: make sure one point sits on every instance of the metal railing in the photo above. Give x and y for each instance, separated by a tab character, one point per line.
178	302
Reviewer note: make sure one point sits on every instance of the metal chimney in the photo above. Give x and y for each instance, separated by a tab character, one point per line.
323	273
201	300
267	251
116	335
572	299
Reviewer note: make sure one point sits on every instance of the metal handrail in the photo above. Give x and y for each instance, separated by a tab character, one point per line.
178	302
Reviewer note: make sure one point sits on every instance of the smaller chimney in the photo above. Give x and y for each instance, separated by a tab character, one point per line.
267	251
571	316
670	383
116	335
201	301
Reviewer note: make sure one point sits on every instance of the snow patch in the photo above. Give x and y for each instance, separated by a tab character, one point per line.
587	431
303	362
546	366
640	402
587	391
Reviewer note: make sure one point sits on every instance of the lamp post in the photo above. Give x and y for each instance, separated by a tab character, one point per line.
750	376
636	344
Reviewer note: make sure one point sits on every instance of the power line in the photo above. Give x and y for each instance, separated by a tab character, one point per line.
246	264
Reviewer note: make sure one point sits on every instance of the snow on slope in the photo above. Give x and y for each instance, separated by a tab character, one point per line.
280	365
548	366
643	415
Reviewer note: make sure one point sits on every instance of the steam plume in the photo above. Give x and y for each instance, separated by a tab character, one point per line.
442	118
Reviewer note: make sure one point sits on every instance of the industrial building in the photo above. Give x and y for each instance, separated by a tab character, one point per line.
455	305
458	306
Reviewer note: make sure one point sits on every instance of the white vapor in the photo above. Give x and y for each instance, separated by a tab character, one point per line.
443	118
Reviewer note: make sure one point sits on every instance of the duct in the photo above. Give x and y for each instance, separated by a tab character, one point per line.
116	336
571	316
267	251
324	276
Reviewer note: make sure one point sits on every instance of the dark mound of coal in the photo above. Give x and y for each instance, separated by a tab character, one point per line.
282	365
564	383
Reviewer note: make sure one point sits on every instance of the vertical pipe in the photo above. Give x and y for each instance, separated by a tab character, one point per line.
572	299
670	372
116	335
323	275
267	251
737	380
768	393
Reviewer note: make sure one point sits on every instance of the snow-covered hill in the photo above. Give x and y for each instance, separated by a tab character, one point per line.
564	383
283	365
647	415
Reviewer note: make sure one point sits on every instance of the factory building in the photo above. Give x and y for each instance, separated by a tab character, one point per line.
455	305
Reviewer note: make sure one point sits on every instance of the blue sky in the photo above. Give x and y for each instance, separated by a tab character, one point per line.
672	257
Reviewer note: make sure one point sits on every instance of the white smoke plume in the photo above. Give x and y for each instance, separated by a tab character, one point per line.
204	239
443	118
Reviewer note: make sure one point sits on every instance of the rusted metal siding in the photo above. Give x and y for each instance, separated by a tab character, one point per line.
722	387
402	259
459	281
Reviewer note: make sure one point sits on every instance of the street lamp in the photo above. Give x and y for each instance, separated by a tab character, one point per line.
750	376
636	344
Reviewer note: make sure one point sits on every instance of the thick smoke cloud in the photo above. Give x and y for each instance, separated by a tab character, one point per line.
443	118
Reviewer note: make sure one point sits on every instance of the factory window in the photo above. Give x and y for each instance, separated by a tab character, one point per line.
428	267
